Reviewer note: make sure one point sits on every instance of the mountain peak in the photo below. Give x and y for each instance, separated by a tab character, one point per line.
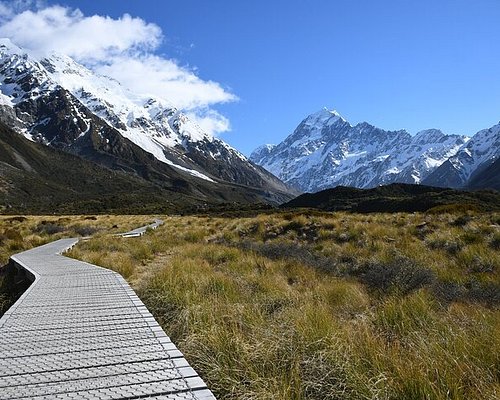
325	113
323	117
326	151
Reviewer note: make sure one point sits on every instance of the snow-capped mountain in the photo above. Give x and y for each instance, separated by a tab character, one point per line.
474	157
59	102
326	151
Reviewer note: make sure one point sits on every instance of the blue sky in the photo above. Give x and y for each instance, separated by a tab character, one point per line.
397	64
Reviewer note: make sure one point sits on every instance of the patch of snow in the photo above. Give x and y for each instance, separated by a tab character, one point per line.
190	171
5	100
355	154
393	170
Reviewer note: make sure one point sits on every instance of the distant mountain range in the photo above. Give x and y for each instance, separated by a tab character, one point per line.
57	102
326	151
84	142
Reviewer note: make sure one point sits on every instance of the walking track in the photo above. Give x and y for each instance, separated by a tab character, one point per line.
80	332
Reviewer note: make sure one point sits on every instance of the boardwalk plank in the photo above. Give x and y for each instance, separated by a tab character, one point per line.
80	332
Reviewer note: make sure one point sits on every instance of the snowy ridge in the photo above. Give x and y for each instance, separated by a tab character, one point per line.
152	123
325	151
479	152
483	147
134	115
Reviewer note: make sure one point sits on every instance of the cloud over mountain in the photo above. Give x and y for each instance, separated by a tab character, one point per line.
124	48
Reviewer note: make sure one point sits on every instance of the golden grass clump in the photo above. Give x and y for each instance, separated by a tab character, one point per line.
324	306
298	305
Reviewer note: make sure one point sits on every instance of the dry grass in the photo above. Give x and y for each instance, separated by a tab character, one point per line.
333	306
19	233
322	306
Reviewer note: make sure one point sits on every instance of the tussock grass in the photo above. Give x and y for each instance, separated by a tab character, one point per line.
324	306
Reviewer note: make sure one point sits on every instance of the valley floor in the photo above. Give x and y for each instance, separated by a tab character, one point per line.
308	305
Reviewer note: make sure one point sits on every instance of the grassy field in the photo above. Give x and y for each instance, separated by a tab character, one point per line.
324	306
312	305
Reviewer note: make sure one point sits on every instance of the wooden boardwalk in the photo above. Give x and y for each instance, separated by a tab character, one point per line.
142	230
80	332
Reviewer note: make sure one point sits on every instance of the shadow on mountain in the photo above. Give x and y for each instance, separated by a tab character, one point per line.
397	197
39	179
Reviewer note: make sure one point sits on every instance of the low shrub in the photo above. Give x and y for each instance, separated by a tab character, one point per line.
84	230
449	245
461	220
480	265
49	228
487	293
402	275
471	237
448	291
13	234
494	242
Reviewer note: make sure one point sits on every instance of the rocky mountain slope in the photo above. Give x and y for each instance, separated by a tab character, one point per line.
35	178
58	102
488	178
325	151
466	167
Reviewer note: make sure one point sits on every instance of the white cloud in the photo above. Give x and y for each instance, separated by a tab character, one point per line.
210	121
87	39
122	48
166	79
